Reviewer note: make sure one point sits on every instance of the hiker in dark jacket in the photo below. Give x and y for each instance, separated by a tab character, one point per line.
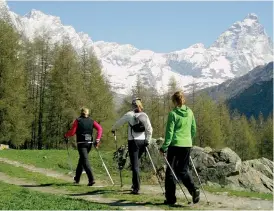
180	131
137	141
83	128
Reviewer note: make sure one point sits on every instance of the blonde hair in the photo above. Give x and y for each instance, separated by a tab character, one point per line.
84	111
139	104
178	98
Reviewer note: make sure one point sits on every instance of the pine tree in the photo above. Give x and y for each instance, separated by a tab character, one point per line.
98	95
247	142
224	122
208	127
66	91
13	117
268	138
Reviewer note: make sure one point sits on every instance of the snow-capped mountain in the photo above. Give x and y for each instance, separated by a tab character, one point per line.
233	87
242	47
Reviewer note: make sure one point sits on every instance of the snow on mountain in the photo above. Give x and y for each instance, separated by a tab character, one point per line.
242	47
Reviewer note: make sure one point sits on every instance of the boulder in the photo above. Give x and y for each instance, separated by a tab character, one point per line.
262	165
223	167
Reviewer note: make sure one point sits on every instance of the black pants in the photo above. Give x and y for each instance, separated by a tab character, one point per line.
135	148
178	158
83	162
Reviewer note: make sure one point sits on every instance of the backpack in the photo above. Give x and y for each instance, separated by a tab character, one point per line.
139	127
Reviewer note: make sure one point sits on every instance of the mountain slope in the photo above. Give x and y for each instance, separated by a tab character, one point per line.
250	94
255	99
242	47
233	87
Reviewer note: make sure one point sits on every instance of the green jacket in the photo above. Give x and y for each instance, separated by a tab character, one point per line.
180	129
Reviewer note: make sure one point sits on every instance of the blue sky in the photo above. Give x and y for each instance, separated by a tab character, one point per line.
159	26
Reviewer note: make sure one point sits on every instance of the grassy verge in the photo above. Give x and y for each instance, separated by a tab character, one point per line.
58	160
17	198
265	196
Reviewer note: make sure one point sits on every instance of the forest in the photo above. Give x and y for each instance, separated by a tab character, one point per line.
44	85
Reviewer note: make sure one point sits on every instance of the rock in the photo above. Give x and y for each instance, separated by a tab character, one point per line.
207	149
211	184
262	165
160	141
222	168
254	180
226	155
4	146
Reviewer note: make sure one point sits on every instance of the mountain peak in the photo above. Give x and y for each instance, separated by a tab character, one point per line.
241	32
197	45
3	5
252	16
35	14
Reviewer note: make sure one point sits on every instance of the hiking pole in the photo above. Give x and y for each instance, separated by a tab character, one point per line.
155	170
104	165
198	178
176	178
121	181
69	160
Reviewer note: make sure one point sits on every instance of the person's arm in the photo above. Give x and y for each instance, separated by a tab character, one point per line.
99	129
120	122
169	132
72	131
193	127
148	128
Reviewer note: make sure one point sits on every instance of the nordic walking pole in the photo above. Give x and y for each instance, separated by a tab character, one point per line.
198	178
176	178
121	181
69	159
104	165
155	170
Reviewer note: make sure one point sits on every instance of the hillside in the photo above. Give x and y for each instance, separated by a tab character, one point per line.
249	94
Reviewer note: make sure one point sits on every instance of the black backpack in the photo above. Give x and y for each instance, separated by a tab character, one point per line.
139	127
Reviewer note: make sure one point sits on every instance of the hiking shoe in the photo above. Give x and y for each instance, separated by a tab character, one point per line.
170	203
75	181
135	192
91	183
196	196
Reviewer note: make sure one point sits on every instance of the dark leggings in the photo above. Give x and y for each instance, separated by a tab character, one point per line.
83	162
136	148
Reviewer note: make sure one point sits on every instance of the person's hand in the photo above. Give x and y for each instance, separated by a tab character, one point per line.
97	143
162	152
146	143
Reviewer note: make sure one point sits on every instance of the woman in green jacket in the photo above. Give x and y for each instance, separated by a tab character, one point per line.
180	130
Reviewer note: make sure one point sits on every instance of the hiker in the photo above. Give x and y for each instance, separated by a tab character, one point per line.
83	128
180	130
139	135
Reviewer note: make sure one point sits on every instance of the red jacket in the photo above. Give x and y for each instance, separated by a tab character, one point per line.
97	127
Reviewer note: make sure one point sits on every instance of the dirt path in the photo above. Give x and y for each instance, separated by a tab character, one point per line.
217	200
93	198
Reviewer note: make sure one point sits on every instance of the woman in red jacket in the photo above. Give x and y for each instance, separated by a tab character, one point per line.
83	128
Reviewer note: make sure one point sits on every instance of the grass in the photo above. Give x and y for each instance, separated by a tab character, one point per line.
265	196
57	160
115	192
18	198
